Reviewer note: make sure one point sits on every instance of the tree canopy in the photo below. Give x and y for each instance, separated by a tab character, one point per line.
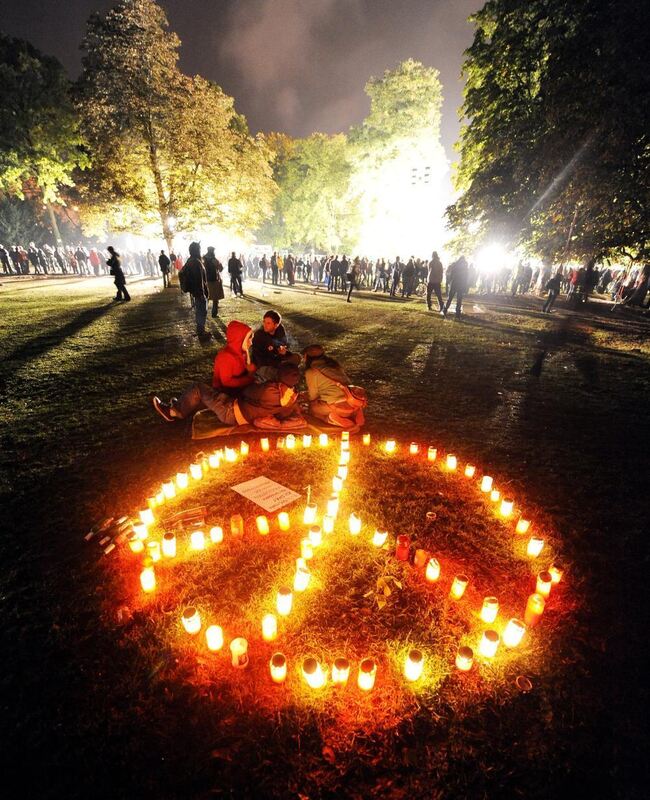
168	149
556	138
40	142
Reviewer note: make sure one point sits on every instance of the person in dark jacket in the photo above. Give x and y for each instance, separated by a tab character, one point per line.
271	347
115	269
434	281
457	277
235	269
195	283
213	270
553	289
262	404
164	263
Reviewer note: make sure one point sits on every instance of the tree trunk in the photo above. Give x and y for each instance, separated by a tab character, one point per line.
55	227
162	202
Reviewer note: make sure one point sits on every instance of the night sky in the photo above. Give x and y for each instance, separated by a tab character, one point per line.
291	65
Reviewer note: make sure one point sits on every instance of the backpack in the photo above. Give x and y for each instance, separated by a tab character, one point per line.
183	280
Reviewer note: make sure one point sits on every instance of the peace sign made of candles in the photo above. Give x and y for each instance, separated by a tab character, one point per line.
157	549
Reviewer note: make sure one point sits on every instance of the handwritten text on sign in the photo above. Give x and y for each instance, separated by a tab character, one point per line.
266	493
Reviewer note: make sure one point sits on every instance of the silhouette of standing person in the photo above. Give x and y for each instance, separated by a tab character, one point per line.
115	269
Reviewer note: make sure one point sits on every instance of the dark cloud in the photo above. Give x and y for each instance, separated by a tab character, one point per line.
293	65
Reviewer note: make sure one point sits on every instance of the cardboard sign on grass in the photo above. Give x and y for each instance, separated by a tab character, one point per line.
266	493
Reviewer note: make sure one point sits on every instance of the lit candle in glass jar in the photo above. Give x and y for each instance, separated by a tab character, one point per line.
506	507
342	471
366	439
340	671
213	460
432	453
284	522
309	516
160	498
486	484
470	470
306	549
152	502
169	544
284	601
278	665
534	547
490	609
345	446
214	638
169	490
489	644
323	440
153	549
522	525
328	524
182	480
464	658
244	448
196	471
301	578
269	627
458	586
264	444
414	665
333	506
313	673
513	632
534	609
146	516
420	558
148	578
280	442
413	449
216	534
495	494
315	535
191	620
354	524
237	525
344	458
290	442
262	524
367	674
306	440
433	570
390	446
379	538
556	572
135	543
345	436
402	547
197	540
141	531
544	583
239	652
452	462
337	483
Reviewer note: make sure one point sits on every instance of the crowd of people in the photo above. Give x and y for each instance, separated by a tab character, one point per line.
255	379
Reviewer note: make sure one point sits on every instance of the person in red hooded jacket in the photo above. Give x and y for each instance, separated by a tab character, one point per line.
233	367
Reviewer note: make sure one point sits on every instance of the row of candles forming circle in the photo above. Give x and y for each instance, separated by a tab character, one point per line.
312	670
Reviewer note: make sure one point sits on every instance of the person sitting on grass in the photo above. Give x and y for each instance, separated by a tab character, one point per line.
233	367
270	347
328	390
264	405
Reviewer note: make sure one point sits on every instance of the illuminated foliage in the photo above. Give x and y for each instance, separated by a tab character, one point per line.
40	143
557	106
167	149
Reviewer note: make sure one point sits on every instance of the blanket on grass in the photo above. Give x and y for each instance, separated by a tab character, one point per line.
206	425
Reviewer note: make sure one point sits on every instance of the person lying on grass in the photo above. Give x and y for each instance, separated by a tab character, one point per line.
267	405
331	397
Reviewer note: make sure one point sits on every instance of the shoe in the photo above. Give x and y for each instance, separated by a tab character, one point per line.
164	409
443	312
339	420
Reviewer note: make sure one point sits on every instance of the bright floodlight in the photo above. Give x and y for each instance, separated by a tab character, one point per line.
491	257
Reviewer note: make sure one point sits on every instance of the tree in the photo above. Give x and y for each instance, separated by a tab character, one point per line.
40	142
399	162
167	149
556	100
313	208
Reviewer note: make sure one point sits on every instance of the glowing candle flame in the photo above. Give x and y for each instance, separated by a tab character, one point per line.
486	484
214	638
367	674
489	644
379	538
269	627
313	673
458	586
414	665
490	609
191	620
513	633
433	570
169	545
284	601
197	540
278	666
216	534
464	658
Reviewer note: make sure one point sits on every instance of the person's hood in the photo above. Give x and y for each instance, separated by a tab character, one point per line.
236	332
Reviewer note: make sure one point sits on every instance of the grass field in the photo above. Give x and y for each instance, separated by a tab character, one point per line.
555	408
